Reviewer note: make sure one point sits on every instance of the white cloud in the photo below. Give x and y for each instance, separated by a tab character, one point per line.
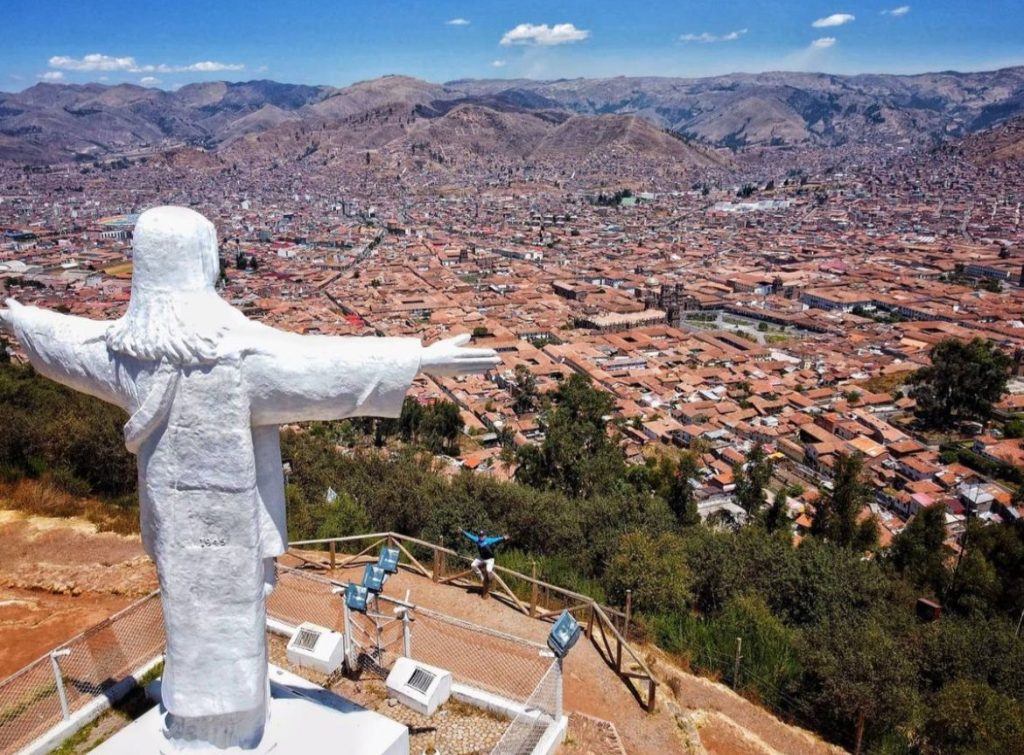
148	81
457	22
900	11
823	43
99	62
499	63
51	76
93	62
836	19
209	65
707	37
544	35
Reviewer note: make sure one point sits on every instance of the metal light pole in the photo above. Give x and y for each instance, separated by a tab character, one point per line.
59	679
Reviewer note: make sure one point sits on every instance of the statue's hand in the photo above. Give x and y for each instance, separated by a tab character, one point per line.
447	358
7	315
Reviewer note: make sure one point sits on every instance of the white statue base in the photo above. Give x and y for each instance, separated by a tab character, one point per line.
302	716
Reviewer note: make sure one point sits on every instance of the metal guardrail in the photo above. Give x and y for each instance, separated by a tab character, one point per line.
607	628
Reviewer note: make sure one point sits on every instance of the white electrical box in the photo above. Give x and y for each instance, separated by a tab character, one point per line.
317	648
419	686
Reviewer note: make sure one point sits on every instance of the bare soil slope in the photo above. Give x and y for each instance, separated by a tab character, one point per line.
59	577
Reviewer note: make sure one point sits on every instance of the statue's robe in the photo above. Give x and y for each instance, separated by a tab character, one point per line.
211	491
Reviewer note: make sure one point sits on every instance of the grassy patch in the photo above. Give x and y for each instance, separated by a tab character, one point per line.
40	497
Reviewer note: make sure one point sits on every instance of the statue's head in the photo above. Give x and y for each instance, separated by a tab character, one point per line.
174	249
175	313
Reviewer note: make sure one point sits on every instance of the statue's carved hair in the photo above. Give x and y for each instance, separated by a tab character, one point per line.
184	328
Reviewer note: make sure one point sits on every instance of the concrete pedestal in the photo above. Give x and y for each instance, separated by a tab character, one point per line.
302	717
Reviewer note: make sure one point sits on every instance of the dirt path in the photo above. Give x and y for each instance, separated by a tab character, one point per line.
59	577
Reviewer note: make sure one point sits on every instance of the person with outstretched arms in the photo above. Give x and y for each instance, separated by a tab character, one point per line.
483	564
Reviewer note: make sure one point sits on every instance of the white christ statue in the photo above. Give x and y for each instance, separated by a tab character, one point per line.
205	389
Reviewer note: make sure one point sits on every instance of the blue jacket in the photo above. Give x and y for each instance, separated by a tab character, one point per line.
484	545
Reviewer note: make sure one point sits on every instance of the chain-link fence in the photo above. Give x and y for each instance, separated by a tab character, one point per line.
515	669
304	596
500	663
378	637
52	688
508	666
543	710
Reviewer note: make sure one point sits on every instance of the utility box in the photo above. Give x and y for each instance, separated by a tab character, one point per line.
419	686
316	648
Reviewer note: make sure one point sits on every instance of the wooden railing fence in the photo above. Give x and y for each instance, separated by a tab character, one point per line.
607	628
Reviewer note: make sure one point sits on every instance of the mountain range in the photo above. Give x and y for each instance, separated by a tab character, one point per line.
675	118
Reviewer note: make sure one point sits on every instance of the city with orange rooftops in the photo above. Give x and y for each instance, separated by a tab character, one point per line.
754	430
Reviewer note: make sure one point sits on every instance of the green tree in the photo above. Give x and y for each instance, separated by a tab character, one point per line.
752	479
970	718
776	516
441	427
410	418
680	495
1014	428
861	678
963	382
524	391
950	651
990	575
341	518
653	568
578	456
920	551
837	512
770	663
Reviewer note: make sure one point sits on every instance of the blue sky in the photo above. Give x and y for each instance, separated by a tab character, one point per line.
338	42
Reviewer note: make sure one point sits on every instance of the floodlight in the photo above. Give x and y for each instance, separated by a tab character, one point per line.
356	597
388	560
564	634
373	578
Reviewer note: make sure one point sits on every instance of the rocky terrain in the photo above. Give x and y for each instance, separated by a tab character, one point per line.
470	139
54	122
999	144
792	108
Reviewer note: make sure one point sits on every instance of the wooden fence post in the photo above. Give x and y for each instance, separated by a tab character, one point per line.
590	621
333	549
533	589
629	614
619	641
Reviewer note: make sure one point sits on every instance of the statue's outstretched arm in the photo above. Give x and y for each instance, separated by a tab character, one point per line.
450	357
71	350
294	378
